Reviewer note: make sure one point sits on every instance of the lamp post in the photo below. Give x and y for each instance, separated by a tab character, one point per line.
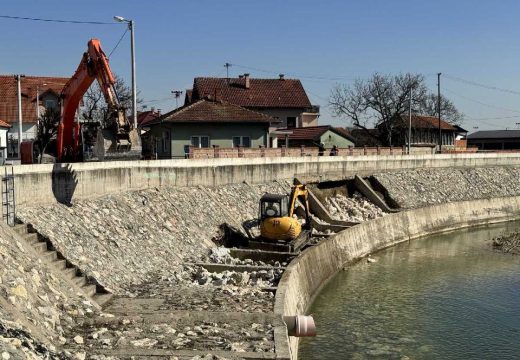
132	49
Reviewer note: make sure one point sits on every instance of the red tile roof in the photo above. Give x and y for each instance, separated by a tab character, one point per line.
262	93
145	117
213	111
315	132
29	84
4	124
426	122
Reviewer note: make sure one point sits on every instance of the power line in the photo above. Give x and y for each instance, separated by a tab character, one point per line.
494	118
300	76
118	42
480	102
58	20
474	83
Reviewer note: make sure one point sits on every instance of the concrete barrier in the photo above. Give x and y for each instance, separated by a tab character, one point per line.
48	183
308	273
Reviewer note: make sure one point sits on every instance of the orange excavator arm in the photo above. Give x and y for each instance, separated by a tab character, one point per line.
93	66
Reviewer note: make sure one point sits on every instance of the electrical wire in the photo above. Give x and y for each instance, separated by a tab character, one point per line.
480	102
118	42
494	118
474	83
58	20
300	76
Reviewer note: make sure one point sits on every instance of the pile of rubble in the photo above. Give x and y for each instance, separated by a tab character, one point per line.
127	239
131	333
36	307
260	278
507	243
354	209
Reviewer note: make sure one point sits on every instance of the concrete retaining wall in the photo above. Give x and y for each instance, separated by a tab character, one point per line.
44	184
306	275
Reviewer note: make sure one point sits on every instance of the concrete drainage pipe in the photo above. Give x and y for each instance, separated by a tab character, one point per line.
300	325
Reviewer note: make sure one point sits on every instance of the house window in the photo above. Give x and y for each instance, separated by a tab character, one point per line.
200	141
244	141
291	122
50	104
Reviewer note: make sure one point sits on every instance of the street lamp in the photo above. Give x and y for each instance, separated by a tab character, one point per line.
134	84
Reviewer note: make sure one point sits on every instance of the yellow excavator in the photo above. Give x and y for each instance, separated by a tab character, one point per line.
277	215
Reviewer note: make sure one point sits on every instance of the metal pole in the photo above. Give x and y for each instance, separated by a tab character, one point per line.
439	108
410	124
37	104
19	89
131	25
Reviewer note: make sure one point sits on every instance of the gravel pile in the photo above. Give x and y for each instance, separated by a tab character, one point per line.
354	209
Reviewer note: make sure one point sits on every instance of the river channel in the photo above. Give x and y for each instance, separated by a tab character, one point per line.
445	296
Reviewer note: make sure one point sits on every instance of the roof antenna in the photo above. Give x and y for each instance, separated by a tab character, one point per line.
227	66
176	94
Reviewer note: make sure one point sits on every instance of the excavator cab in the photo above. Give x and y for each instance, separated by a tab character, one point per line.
277	215
274	205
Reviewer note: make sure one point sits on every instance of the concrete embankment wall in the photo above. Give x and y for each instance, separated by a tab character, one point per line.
44	184
306	275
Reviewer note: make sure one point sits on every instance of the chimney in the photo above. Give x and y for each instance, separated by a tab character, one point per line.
281	76
152	109
216	95
248	81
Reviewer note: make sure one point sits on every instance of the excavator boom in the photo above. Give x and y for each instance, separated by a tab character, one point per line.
94	65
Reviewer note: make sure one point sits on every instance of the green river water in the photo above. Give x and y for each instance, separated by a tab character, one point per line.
442	297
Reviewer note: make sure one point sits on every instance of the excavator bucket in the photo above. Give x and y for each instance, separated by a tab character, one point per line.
113	146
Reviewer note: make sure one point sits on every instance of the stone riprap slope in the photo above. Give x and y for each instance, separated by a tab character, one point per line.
130	238
424	187
37	307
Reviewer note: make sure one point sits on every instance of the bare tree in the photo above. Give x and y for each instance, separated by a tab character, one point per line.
95	109
381	101
47	128
429	106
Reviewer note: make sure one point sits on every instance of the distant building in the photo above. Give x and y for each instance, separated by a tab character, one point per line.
285	100
495	139
206	123
368	137
425	131
4	128
44	88
312	136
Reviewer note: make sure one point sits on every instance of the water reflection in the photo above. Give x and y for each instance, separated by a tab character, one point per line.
443	297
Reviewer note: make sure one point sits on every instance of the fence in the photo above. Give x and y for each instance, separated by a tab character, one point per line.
240	152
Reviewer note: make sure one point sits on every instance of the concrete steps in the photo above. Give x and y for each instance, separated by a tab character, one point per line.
51	256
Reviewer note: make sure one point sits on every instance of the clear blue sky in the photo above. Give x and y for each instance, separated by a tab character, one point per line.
179	40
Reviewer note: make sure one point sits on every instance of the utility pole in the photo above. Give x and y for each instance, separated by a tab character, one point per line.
131	25
177	94
410	124
439	109
19	91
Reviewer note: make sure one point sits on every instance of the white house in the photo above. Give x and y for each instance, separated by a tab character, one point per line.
4	128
